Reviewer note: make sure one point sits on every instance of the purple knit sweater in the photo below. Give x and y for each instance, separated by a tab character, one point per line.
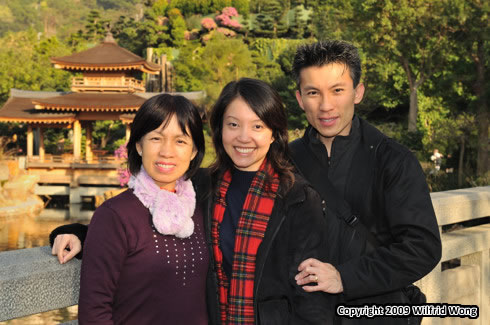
131	274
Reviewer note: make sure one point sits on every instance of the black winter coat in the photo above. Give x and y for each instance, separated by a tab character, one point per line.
297	230
396	208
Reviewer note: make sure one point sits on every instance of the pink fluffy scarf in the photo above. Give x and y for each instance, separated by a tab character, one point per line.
171	212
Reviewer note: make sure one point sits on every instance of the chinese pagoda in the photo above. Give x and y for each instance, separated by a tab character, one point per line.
107	90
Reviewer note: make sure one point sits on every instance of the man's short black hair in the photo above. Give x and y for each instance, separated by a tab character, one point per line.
326	52
160	109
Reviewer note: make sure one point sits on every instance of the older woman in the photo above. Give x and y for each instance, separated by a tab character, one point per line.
145	257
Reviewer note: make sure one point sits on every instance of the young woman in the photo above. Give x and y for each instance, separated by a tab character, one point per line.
145	258
261	219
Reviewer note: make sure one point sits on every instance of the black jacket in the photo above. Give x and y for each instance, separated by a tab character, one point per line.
396	207
296	231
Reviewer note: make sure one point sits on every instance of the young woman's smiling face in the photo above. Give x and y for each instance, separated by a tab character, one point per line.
166	153
246	138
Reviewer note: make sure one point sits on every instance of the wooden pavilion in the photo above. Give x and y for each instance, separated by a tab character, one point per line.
107	90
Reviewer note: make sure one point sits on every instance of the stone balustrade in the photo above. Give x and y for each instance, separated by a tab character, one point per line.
469	283
32	280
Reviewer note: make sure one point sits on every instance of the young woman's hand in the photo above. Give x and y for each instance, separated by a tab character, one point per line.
66	246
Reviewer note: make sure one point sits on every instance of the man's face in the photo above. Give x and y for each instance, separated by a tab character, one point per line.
327	95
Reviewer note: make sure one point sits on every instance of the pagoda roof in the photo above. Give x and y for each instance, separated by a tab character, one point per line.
19	108
106	56
63	107
90	102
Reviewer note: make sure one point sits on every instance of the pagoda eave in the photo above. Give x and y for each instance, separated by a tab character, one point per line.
88	108
36	120
105	68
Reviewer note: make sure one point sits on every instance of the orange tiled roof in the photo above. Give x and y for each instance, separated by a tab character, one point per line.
107	56
62	107
22	110
90	102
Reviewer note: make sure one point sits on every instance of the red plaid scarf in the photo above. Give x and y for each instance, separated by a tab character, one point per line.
236	297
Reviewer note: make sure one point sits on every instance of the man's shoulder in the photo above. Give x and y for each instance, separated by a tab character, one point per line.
386	144
300	190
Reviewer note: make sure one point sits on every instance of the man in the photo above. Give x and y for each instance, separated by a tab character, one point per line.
437	159
394	206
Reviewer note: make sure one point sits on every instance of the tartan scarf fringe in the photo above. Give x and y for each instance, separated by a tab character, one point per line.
236	297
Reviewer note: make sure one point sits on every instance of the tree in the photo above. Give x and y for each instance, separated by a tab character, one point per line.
127	32
218	5
225	60
412	33
24	64
298	27
242	6
274	60
177	27
469	19
270	20
96	27
106	132
188	68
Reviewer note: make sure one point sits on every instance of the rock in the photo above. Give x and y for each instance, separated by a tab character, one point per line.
21	187
4	172
99	199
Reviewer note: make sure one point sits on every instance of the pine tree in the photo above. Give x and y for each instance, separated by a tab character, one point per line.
96	27
298	27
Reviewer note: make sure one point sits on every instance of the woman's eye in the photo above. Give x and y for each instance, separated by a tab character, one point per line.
233	124
258	127
181	142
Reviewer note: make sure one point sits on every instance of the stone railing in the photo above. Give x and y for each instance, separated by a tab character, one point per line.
32	281
469	283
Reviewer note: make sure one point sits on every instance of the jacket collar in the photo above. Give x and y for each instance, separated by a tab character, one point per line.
340	144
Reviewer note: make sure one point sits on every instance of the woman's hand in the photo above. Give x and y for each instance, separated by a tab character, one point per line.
325	275
66	246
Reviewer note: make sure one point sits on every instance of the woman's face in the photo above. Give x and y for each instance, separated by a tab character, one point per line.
166	153
246	138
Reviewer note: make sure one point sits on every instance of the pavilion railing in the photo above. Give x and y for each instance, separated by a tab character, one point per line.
63	159
107	83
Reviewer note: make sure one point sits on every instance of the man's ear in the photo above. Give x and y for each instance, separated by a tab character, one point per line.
299	99
359	93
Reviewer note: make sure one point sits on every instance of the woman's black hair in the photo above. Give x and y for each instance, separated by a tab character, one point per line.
160	109
267	104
